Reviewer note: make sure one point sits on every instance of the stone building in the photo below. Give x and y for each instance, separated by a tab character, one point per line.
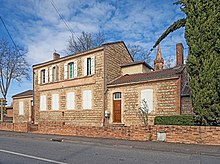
105	86
72	89
164	91
23	107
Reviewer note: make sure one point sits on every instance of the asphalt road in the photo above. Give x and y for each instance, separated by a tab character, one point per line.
30	150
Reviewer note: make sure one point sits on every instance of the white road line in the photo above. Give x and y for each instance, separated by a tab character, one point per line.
30	156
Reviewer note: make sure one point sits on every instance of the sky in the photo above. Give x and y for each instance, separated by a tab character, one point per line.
35	25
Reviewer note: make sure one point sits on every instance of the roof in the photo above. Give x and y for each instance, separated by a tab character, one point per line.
140	77
25	93
185	92
136	63
84	52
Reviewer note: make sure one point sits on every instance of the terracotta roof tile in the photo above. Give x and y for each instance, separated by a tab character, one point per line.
25	93
165	73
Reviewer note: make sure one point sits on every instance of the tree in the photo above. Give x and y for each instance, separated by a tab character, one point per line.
143	112
202	35
138	53
13	66
85	42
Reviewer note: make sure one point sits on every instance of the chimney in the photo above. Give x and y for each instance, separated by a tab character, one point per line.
179	54
56	56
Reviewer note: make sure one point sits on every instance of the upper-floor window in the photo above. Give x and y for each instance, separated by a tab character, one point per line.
89	66
70	70
43	76
54	74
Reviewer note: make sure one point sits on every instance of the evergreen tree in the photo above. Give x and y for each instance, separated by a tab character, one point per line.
202	33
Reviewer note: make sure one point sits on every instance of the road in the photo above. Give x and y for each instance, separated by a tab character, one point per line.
22	149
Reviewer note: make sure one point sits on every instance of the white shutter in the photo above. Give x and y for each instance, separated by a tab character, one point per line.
147	95
65	71
55	101
46	75
85	67
93	65
87	99
70	100
75	69
43	103
21	108
51	74
39	78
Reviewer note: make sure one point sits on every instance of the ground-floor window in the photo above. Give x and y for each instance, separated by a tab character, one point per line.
87	99
147	99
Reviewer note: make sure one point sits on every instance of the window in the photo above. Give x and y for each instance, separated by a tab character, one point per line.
55	102
117	96
147	99
21	108
53	74
89	66
70	100
70	70
87	99
43	103
43	75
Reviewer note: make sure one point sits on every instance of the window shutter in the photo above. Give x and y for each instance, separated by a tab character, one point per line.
46	75
93	65
21	108
147	95
55	101
51	74
75	69
85	67
87	99
70	104
43	103
56	73
65	71
39	78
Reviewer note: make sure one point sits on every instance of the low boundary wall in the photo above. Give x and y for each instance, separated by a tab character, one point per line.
208	135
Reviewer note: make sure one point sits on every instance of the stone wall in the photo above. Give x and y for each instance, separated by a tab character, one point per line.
17	127
166	100
176	134
26	117
78	115
186	105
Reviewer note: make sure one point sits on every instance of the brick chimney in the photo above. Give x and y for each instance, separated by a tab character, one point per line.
179	54
56	56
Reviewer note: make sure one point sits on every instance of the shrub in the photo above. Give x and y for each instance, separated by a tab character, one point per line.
174	120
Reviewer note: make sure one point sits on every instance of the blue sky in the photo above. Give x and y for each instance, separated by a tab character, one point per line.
35	25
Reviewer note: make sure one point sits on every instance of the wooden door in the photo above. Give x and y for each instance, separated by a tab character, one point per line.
117	111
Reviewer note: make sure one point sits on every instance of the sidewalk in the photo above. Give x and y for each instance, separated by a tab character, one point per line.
145	145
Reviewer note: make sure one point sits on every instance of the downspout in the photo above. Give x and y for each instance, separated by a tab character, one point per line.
104	86
33	99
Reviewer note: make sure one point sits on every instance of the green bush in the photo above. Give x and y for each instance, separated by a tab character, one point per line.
174	120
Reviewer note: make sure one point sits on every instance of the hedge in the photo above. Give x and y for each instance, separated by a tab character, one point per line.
174	120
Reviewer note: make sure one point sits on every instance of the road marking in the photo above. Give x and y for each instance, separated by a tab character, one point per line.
30	156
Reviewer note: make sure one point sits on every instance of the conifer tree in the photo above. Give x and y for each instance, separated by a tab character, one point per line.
202	33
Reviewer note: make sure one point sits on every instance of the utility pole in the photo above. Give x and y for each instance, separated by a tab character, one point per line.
2	103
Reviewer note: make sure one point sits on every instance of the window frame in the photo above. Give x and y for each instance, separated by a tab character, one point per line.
115	97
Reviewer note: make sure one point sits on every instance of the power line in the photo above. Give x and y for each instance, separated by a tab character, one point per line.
62	18
8	32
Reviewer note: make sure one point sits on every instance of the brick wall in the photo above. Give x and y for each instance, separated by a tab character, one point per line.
175	134
17	127
186	105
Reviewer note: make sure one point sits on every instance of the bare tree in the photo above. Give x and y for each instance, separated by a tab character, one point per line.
169	62
138	53
13	66
143	112
85	42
